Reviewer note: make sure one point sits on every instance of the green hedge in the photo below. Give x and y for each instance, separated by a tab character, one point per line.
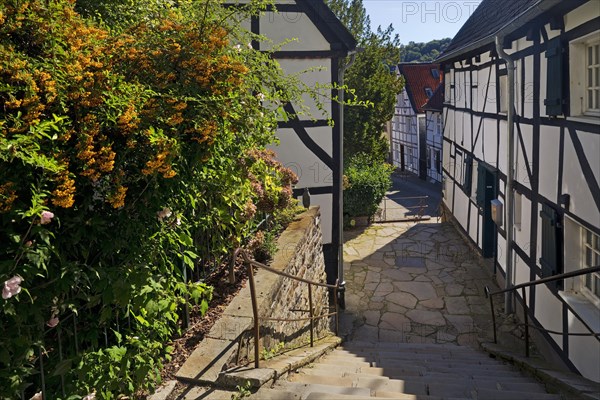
366	183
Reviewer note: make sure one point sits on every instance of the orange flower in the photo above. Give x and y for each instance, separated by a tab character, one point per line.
7	197
62	196
117	199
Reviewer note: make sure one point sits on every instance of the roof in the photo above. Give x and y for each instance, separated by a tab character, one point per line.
491	18
418	77
328	23
436	102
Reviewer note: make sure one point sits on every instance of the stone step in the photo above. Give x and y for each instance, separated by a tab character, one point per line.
417	356
273	394
421	373
321	379
344	362
399	396
326	369
304	389
458	351
513	383
515	395
524	384
441	366
417	347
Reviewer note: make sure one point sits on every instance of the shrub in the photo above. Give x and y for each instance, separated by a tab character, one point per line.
126	158
367	181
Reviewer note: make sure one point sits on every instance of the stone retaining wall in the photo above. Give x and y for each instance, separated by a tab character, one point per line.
299	254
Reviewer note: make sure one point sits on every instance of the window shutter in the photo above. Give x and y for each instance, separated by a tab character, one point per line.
554	84
550	244
468	174
481	171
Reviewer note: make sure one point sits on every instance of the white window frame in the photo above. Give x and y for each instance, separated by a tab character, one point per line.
579	67
592	78
593	279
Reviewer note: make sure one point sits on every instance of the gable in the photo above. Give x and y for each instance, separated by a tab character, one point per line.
418	79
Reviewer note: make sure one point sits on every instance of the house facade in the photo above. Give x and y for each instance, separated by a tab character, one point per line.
434	128
408	141
315	42
539	157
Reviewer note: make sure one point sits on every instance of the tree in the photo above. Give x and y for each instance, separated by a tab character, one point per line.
370	78
423	52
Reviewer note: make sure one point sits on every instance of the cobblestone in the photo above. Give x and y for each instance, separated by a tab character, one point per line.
417	283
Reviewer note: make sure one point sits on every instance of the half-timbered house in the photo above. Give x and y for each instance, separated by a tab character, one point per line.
408	136
316	43
434	128
522	126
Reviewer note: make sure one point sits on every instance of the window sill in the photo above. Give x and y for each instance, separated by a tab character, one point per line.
586	119
587	311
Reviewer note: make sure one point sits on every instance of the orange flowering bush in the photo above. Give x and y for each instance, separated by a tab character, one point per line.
123	153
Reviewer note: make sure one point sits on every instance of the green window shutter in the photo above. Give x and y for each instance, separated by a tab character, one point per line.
554	85
480	184
468	174
549	259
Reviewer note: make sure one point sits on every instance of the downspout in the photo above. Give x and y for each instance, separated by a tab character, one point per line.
510	67
341	293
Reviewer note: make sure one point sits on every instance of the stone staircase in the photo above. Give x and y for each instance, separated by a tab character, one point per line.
362	370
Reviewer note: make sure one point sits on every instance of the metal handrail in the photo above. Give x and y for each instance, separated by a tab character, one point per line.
525	285
253	263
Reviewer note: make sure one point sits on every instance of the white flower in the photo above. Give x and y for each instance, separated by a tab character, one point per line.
178	221
260	96
91	396
238	47
11	287
37	396
249	45
164	213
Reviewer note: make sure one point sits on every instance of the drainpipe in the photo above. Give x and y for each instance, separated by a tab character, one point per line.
341	293
510	66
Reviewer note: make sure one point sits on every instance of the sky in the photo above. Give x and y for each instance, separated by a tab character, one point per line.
420	20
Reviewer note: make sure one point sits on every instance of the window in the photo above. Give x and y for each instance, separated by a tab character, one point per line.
439	129
429	158
590	283
438	161
518	210
458	166
503	99
435	73
428	92
584	69
592	97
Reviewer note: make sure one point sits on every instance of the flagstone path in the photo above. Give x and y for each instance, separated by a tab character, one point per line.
415	283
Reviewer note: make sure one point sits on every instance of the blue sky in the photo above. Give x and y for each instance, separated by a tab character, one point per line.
420	20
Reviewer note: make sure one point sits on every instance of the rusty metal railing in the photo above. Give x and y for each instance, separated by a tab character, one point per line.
525	285
252	263
408	213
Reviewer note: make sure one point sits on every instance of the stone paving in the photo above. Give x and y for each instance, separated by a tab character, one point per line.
416	283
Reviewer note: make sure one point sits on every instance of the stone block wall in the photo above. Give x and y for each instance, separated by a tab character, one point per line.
300	254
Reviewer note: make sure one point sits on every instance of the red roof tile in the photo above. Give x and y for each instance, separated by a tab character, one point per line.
417	77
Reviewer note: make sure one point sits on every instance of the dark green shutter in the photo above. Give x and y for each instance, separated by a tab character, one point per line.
480	184
549	257
468	174
554	84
